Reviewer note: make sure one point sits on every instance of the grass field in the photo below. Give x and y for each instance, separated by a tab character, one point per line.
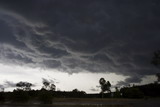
79	102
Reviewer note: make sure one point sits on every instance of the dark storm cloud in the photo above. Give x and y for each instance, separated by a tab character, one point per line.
97	36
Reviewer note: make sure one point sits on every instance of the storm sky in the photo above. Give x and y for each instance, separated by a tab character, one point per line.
73	43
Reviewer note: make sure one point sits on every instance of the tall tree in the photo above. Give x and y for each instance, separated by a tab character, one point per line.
52	87
105	86
46	85
49	86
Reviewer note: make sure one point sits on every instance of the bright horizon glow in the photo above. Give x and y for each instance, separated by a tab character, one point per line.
84	81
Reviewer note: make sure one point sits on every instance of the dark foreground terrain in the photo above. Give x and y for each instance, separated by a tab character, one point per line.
92	103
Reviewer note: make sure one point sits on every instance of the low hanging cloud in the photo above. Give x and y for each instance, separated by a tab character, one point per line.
10	84
127	81
95	89
52	81
1	87
95	36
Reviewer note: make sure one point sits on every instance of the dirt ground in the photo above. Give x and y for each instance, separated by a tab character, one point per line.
154	102
92	103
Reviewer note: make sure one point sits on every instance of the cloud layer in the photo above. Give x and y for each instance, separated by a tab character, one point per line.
73	36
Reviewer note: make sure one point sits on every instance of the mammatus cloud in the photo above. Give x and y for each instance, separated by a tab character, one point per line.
95	36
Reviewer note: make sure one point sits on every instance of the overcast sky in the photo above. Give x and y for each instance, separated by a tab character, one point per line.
73	43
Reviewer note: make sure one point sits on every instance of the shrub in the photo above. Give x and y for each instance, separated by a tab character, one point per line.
2	98
20	96
132	93
45	97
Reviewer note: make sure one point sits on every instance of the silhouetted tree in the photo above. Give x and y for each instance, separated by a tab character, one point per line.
52	87
46	85
117	93
25	86
75	90
105	86
49	86
77	93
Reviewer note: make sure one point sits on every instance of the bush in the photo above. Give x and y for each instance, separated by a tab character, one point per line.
2	98
45	97
132	93
20	96
117	95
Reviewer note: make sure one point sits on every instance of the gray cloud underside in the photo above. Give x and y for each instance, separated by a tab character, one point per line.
71	36
51	81
10	84
94	89
133	79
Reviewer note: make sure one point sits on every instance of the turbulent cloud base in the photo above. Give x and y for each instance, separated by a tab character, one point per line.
73	36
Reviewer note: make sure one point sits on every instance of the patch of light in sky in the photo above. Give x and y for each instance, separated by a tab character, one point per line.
65	82
149	79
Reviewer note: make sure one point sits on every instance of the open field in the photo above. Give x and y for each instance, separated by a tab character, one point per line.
65	106
74	102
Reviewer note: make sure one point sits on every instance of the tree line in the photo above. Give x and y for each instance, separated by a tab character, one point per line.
47	93
24	93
